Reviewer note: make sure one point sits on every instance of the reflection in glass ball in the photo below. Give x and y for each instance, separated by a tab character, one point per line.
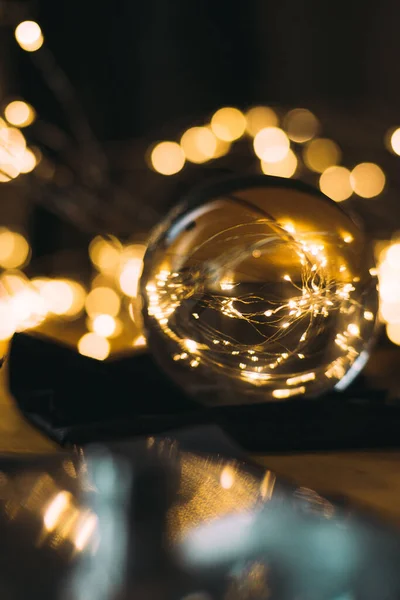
258	289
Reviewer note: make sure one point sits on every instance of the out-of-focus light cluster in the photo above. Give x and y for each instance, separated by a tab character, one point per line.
15	157
335	183
272	146
389	289
29	36
19	113
114	288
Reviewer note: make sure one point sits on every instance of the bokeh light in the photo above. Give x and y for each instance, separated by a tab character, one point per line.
14	249
301	125
367	180
320	154
27	162
335	183
392	256
105	254
228	124
199	144
283	168
271	144
130	275
19	113
395	141
260	117
59	296
140	342
167	158
29	36
94	346
102	300
8	323
104	325
12	141
393	332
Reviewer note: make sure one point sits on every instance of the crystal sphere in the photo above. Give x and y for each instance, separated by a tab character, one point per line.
258	289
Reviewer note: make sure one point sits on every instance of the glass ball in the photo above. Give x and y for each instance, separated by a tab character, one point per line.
257	289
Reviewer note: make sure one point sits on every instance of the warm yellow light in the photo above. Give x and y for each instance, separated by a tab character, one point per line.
367	180
105	254
85	531
12	141
395	141
55	510
393	332
14	249
199	144
301	125
227	478
167	158
130	275
368	315
29	36
19	113
118	328
283	168
222	147
335	183
94	346
8	323
287	393
392	256
78	298
104	325
27	162
353	329
140	341
271	144
260	117
320	154
102	300
390	311
228	124
58	295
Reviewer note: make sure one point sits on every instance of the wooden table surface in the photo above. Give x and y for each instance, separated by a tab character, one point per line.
371	479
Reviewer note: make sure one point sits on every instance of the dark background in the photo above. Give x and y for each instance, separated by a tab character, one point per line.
145	71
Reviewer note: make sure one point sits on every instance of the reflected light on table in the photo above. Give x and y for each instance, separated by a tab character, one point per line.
53	513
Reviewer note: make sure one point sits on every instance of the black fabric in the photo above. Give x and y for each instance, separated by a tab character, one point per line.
76	400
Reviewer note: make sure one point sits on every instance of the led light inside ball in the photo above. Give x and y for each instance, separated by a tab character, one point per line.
261	292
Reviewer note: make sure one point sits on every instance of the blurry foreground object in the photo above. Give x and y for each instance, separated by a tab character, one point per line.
258	289
176	517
